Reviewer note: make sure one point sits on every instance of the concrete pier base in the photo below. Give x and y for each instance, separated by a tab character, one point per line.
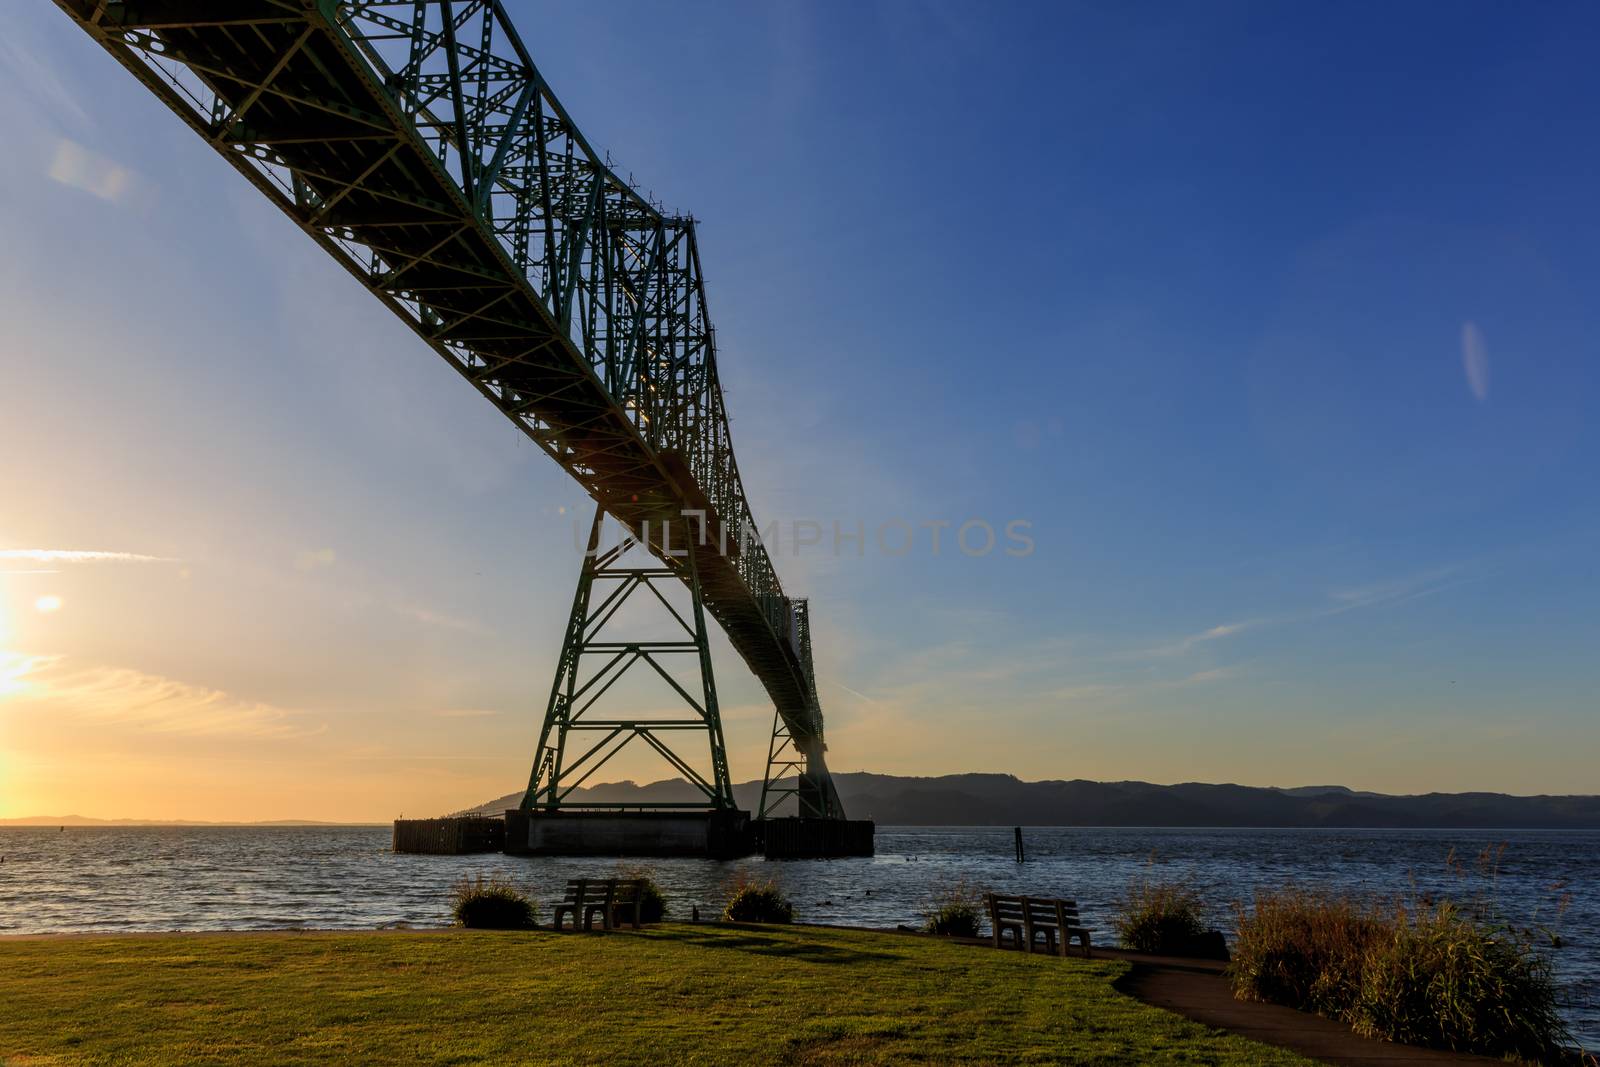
713	834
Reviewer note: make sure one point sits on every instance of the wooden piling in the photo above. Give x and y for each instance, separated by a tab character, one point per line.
452	835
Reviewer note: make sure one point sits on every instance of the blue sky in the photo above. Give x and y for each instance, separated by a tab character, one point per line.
1275	323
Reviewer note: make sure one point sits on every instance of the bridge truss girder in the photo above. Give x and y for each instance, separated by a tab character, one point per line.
417	143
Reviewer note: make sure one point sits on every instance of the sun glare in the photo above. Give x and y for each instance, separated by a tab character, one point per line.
13	670
47	604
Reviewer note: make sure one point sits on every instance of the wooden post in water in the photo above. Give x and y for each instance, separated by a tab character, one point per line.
1021	856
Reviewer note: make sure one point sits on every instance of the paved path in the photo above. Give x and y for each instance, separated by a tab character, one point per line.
1196	989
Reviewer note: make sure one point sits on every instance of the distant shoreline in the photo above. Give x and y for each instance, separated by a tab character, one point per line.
134	824
979	799
76	822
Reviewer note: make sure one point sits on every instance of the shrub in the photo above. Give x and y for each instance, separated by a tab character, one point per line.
652	902
1305	950
1428	975
954	911
1443	979
754	901
1163	918
492	903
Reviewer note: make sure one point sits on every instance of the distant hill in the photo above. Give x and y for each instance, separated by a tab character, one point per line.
175	823
1005	800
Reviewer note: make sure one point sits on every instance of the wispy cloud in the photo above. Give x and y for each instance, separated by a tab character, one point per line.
66	555
465	713
431	758
35	80
1392	591
855	693
1352	598
311	559
119	696
435	618
1077	694
1215	633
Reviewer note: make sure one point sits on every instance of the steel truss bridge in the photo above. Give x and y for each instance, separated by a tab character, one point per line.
416	142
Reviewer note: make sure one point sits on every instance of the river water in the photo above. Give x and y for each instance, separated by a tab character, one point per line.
260	878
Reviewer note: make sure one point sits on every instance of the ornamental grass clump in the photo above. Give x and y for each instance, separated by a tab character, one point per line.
753	901
1161	918
492	903
954	911
1444	979
1304	949
1425	974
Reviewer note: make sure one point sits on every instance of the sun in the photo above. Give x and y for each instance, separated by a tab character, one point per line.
47	604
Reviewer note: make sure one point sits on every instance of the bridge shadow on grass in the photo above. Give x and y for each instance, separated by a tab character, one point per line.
753	940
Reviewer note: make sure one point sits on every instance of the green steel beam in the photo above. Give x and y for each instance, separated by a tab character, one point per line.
575	692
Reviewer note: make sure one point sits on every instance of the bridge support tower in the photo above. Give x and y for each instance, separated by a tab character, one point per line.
580	735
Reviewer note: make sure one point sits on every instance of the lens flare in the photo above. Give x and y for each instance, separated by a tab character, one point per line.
1475	361
47	604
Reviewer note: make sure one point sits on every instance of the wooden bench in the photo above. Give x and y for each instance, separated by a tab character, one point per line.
609	898
627	901
1026	918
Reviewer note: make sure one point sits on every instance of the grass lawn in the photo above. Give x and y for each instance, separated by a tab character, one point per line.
674	993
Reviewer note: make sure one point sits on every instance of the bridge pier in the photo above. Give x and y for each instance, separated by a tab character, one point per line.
719	835
726	834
